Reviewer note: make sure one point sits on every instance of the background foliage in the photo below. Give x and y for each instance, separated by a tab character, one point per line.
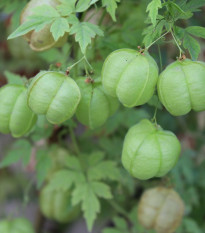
93	167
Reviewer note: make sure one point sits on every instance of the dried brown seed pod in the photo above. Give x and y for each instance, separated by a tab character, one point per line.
161	209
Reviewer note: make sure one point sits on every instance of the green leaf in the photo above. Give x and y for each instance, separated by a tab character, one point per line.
25	28
96	157
44	164
196	31
83	5
97	172
73	163
194	5
84	32
59	27
152	32
153	9
21	149
87	194
101	190
64	179
111	6
192	45
66	7
41	16
191	226
120	223
90	203
72	19
14	78
177	12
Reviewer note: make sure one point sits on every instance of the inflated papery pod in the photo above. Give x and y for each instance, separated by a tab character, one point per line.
149	151
181	87
15	115
131	76
161	209
43	39
55	95
57	205
95	106
18	225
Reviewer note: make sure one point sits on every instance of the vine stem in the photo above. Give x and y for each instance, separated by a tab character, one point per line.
154	119
76	63
120	210
84	58
157	39
73	138
180	50
88	62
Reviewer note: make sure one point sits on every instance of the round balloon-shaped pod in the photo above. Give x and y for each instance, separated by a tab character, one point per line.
149	151
160	209
181	87
15	115
131	76
18	225
55	95
57	205
95	106
43	39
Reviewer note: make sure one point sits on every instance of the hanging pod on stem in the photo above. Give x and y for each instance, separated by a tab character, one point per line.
15	115
181	87
160	209
55	95
149	151
131	76
95	106
56	205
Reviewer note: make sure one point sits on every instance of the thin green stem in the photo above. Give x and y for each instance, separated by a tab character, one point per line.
102	17
158	39
88	63
76	63
84	58
154	119
180	50
74	141
120	210
26	193
160	57
86	70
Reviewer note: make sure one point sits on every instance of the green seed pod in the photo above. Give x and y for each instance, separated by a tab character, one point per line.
57	205
55	95
181	87
18	225
43	39
95	106
161	209
15	116
149	151
130	76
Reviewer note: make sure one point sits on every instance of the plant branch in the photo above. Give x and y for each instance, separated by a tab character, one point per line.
180	50
74	141
158	39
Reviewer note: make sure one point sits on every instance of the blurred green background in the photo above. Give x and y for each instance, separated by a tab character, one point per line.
187	178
